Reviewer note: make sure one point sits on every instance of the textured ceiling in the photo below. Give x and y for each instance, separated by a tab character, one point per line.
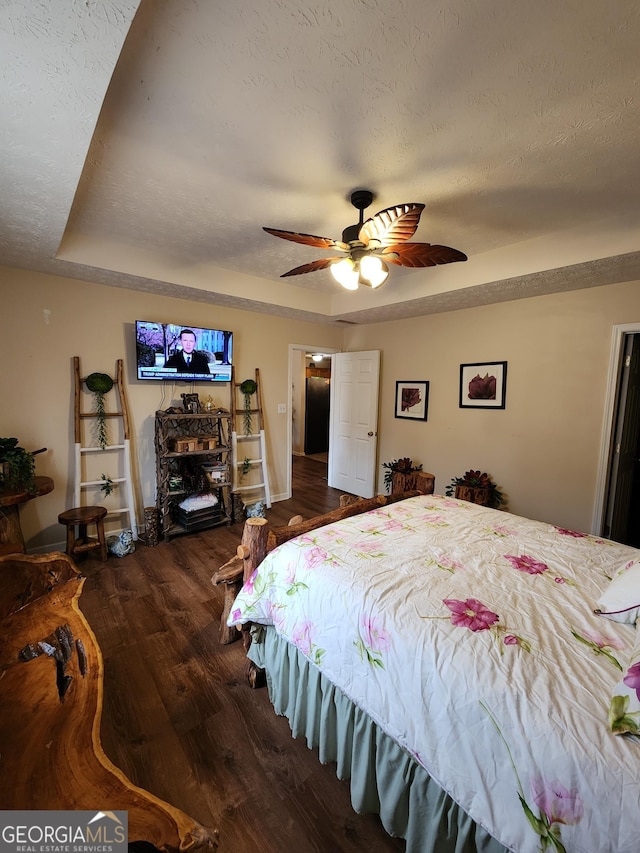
144	145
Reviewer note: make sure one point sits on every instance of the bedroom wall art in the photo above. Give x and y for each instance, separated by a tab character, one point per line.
483	385
412	400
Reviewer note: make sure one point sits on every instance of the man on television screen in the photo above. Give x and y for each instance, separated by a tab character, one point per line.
188	359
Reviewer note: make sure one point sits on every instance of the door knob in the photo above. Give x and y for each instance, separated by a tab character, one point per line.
370	433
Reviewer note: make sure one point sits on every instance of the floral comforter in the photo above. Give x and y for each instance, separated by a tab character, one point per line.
469	636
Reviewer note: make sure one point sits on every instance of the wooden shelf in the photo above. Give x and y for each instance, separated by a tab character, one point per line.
172	454
172	427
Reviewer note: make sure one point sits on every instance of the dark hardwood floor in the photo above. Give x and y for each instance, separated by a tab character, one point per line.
179	717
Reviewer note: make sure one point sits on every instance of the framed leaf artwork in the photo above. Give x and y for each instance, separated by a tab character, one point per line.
412	400
483	385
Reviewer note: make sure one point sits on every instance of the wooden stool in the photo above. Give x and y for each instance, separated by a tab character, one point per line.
82	516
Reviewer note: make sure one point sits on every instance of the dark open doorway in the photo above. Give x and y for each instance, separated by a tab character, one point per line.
307	434
316	427
622	512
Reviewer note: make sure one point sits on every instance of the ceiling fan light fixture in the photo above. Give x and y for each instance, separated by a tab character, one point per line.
373	271
386	234
346	273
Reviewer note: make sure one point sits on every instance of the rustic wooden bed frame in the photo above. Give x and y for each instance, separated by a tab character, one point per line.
51	705
259	538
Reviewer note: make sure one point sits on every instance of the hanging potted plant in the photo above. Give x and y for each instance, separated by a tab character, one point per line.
100	384
477	488
248	388
17	466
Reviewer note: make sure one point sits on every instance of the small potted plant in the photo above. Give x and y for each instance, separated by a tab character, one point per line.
247	389
17	466
476	487
397	475
100	384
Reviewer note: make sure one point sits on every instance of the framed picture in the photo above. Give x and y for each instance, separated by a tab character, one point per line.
191	403
412	400
483	385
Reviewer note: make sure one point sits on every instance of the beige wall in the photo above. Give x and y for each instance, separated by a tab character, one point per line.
543	449
45	321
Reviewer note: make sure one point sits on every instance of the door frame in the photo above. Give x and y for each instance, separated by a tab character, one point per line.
608	424
295	348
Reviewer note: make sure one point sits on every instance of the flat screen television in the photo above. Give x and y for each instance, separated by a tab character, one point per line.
183	353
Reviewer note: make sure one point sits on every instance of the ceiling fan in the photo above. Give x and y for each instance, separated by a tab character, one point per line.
367	246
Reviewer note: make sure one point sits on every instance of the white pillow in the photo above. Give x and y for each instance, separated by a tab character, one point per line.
621	599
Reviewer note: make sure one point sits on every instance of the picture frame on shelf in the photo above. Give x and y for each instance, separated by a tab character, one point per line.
412	400
483	385
191	404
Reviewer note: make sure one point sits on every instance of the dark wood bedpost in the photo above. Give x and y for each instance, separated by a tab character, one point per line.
249	554
230	575
253	549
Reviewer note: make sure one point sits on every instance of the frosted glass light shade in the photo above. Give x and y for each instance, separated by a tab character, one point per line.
373	270
346	273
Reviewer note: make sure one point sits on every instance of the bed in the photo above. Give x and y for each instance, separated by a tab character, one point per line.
475	674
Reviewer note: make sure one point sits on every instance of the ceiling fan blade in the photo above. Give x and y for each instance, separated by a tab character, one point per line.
421	255
314	266
391	225
306	239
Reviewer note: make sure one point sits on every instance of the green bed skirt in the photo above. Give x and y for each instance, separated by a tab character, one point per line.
384	779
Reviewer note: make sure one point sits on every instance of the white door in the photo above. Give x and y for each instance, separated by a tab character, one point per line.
353	428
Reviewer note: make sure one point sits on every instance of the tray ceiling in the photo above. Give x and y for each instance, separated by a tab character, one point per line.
144	145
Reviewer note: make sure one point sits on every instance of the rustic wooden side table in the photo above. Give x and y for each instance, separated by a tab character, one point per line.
11	538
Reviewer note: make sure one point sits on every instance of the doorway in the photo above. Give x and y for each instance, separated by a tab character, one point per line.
622	516
316	421
353	417
617	508
309	407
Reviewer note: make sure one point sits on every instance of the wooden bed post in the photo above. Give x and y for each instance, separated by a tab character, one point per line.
231	576
237	570
253	549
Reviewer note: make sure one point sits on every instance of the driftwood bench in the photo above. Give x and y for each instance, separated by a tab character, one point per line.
51	670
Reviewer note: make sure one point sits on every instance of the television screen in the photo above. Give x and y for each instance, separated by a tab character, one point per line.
183	353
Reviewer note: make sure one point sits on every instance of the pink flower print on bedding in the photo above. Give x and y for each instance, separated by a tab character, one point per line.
530	566
471	614
373	640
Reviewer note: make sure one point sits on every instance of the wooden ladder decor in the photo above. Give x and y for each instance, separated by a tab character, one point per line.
118	476
249	441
